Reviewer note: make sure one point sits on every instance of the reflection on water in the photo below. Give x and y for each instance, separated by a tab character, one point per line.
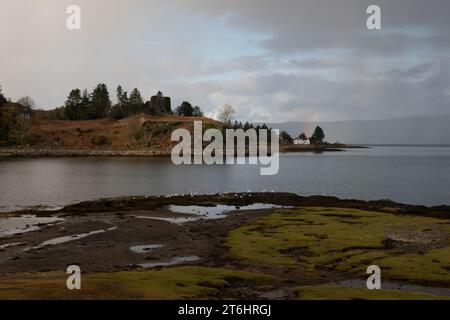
209	213
171	262
170	220
10	245
65	239
416	175
146	248
218	211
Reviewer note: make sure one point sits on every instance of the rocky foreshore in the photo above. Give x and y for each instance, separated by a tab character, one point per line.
54	152
149	152
227	246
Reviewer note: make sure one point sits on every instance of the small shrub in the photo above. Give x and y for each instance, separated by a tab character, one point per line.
99	140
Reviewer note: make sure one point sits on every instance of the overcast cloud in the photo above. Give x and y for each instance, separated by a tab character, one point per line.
284	60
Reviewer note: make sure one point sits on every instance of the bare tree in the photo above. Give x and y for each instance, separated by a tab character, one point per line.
226	114
24	117
28	103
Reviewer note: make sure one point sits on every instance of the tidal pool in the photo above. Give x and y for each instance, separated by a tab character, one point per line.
17	225
171	262
219	211
74	237
171	220
196	213
145	248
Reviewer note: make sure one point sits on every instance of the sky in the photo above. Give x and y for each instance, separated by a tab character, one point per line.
272	60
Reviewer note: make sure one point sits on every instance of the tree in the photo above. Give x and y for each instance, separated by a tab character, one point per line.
8	124
73	105
3	129
303	136
285	138
28	103
318	135
122	108
226	114
85	105
24	116
3	100
136	103
185	109
100	104
197	112
136	98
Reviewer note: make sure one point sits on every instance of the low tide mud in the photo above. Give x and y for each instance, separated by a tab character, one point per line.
238	245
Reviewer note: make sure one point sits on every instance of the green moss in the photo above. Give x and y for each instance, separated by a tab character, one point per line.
341	293
347	240
168	283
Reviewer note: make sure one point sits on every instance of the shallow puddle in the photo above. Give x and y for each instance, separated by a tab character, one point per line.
171	220
219	211
9	245
209	213
17	225
65	239
171	262
146	248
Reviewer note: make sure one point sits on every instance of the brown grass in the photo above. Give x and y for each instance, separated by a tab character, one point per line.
122	134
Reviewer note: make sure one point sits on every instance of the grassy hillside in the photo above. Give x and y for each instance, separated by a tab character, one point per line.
134	133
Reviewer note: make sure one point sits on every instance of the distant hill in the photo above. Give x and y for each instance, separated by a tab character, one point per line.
414	130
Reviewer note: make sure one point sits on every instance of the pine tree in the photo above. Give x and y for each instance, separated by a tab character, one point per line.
196	111
185	109
122	97
85	105
101	104
318	135
136	98
73	105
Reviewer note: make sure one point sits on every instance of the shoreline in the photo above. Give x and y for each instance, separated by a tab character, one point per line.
32	152
130	203
51	152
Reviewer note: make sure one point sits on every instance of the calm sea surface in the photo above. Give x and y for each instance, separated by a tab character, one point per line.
415	175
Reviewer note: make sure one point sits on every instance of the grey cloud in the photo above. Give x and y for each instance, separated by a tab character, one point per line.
313	24
319	61
411	92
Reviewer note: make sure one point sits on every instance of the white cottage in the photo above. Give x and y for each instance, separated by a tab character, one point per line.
301	141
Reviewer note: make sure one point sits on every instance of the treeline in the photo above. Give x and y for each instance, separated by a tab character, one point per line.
316	138
15	117
247	125
97	105
186	109
87	106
